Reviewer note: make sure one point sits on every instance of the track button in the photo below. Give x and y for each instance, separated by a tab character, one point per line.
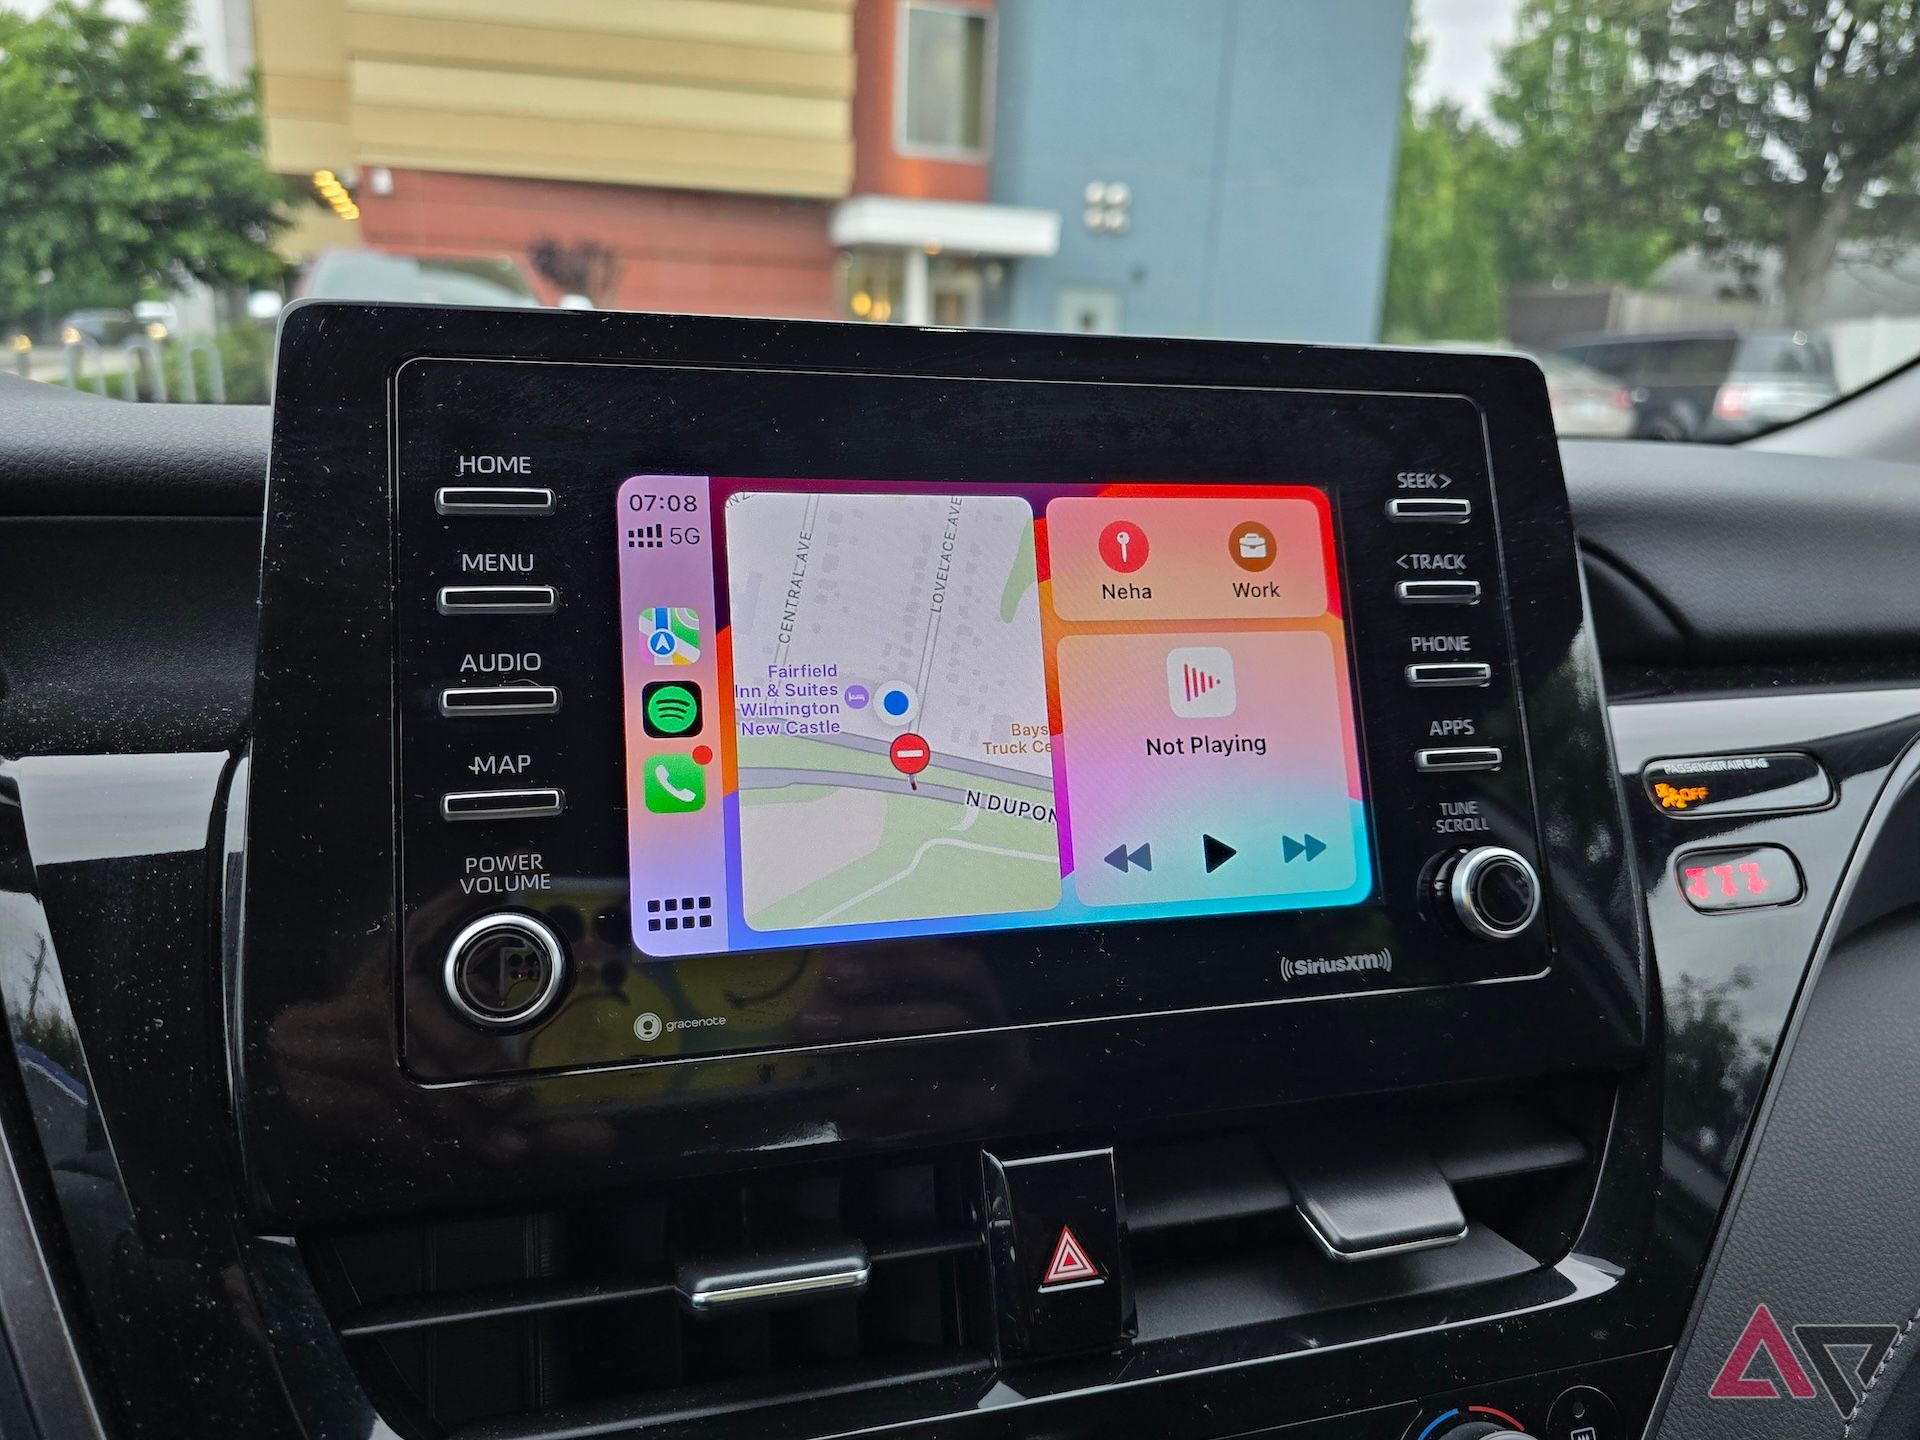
1438	592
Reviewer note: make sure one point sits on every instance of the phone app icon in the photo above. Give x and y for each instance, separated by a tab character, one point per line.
672	633
674	784
670	708
1200	682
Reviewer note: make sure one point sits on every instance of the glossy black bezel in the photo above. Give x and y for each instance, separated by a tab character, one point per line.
321	927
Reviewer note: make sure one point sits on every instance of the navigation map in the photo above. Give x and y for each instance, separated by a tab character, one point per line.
890	707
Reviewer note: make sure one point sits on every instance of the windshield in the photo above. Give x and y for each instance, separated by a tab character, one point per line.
1701	216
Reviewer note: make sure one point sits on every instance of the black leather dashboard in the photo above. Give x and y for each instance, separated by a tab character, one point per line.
1745	601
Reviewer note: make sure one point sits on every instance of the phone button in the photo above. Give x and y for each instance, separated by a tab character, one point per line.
501	804
1449	672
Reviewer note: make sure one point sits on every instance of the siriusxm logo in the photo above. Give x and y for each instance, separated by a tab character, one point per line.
1291	969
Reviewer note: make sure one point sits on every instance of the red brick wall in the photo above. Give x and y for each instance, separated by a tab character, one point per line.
878	169
681	249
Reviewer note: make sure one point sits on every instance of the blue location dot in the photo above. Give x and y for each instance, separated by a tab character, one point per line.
895	702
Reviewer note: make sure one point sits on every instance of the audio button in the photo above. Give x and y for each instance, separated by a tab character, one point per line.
464	700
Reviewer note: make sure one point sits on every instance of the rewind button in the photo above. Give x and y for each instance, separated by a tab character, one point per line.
1123	860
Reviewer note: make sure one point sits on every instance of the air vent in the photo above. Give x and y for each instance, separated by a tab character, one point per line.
1217	1243
575	1318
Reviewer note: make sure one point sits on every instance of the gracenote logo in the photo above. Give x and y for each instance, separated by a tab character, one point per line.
1764	1363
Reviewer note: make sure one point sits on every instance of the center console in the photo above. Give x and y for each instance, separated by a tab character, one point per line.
701	758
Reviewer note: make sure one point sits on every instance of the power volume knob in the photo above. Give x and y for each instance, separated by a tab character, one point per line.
504	971
1493	892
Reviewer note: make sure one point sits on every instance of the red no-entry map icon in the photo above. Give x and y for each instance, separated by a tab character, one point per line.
910	753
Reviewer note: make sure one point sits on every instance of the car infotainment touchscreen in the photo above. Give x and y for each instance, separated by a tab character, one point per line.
859	711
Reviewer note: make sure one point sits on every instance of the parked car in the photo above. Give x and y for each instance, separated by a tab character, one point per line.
423	279
1586	402
157	319
1714	384
103	326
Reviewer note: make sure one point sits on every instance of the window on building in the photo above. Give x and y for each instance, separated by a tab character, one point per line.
943	78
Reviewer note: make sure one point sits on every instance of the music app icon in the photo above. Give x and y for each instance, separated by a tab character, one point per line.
1200	682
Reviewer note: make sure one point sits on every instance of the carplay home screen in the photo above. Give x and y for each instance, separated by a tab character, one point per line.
856	711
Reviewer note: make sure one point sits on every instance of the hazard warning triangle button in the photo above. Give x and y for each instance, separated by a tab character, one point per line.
1070	1265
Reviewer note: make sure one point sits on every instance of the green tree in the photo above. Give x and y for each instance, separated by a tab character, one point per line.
122	165
1443	258
1736	125
1586	204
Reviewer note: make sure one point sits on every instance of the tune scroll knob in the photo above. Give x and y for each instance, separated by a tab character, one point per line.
1492	891
1481	1430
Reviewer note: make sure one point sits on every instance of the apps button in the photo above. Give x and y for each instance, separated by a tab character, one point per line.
1200	682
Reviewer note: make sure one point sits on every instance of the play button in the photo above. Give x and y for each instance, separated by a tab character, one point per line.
1311	846
1217	852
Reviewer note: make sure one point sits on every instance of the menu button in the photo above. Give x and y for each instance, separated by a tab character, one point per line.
497	600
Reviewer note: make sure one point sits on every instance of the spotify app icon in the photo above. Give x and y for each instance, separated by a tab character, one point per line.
670	708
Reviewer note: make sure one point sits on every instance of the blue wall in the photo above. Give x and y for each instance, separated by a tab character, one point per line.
1258	137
